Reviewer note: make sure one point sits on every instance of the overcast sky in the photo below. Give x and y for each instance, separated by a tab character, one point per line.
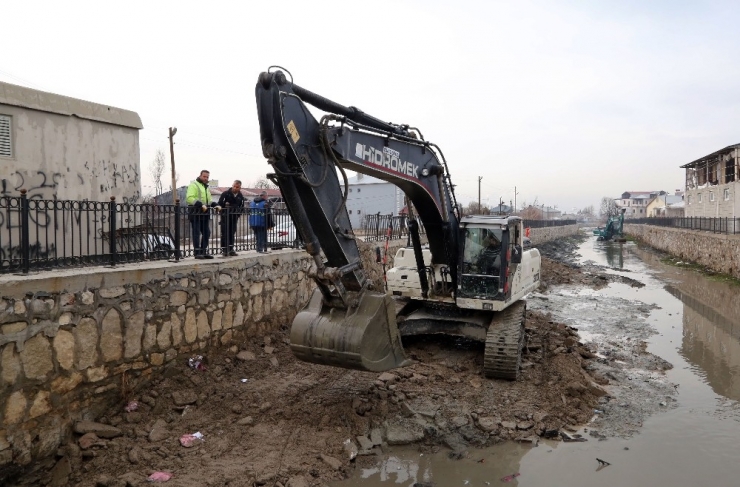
567	100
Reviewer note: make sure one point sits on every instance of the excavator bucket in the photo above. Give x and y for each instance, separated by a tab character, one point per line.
364	337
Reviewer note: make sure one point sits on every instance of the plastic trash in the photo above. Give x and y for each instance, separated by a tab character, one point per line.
245	380
598	411
663	403
511	477
196	362
191	440
131	406
159	477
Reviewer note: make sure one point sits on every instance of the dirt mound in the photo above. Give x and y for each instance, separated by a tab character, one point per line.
267	418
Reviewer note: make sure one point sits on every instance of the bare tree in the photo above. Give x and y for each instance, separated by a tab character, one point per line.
588	211
531	212
474	209
608	207
156	168
263	183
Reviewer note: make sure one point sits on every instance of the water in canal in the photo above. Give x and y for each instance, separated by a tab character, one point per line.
696	443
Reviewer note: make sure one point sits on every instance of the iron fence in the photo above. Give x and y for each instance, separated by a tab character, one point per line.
45	234
379	227
715	225
548	223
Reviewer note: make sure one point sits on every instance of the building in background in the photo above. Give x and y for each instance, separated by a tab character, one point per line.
57	146
273	195
367	195
635	202
666	206
73	151
713	184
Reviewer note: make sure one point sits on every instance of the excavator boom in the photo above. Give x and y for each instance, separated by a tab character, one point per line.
469	280
345	323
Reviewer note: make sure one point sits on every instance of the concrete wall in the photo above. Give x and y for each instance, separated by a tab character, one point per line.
72	158
718	252
70	342
720	207
542	235
369	199
71	148
64	148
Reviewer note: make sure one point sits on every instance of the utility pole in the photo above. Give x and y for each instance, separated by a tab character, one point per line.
479	180
173	131
515	193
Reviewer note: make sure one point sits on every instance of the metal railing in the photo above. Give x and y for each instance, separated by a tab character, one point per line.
379	227
714	225
548	223
375	227
40	234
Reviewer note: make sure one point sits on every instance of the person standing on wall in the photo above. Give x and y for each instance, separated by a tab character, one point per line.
258	220
232	202
199	199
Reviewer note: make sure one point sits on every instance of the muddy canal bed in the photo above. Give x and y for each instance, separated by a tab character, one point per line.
667	340
597	382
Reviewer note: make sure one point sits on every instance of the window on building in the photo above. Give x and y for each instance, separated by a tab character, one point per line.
698	197
730	170
688	199
358	189
6	139
350	190
727	194
711	196
350	212
641	210
358	212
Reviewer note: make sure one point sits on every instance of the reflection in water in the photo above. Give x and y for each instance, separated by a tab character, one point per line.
711	325
614	254
711	341
407	466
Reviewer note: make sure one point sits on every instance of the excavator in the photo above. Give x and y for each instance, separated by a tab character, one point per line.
613	228
469	280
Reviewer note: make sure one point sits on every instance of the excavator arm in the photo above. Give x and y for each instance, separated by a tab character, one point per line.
346	323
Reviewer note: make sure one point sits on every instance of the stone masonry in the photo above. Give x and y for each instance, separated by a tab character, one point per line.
718	252
72	342
542	235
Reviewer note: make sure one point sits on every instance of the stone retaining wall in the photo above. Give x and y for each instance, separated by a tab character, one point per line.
542	235
74	341
718	252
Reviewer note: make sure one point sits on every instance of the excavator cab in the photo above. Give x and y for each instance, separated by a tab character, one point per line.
483	253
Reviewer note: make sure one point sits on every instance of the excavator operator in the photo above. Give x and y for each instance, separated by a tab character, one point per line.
488	259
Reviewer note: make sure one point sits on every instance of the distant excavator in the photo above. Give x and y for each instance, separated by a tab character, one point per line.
613	228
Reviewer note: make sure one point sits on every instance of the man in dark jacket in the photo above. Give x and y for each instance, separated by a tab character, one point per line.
259	220
232	204
199	200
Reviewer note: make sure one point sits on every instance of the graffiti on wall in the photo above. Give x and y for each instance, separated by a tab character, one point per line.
37	251
95	182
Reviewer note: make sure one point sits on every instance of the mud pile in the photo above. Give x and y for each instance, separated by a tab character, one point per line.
267	419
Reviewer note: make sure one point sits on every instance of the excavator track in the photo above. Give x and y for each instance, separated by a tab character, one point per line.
504	342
